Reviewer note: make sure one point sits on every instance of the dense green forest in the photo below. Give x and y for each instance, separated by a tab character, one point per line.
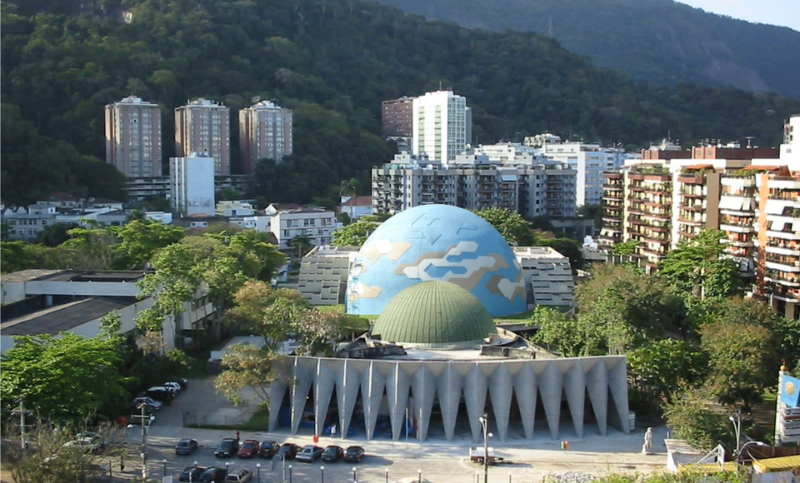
661	41
332	62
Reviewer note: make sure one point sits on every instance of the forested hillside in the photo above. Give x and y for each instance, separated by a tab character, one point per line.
660	41
332	62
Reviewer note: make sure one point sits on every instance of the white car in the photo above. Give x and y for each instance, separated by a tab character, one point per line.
176	388
150	402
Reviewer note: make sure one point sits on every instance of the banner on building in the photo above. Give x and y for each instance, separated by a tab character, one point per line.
790	391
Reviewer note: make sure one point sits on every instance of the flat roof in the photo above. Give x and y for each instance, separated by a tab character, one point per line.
784	463
26	275
59	318
93	276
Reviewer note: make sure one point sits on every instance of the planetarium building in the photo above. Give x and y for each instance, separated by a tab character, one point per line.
434	361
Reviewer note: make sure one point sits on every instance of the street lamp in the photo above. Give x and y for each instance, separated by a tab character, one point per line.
258	469
165	467
419	472
477	477
290	473
322	474
355	480
741	450
486	435
386	470
509	477
737	429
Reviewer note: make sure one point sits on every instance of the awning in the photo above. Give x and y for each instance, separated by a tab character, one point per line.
754	167
785	463
699	166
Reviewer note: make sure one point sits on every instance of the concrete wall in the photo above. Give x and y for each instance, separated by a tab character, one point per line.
603	379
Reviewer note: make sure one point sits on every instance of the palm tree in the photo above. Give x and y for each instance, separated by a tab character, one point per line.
302	243
350	188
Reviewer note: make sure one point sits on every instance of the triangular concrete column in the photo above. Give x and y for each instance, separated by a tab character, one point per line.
501	389
372	388
347	385
525	387
475	396
597	386
397	385
550	389
449	387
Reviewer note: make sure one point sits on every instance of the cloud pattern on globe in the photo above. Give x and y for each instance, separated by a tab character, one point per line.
436	242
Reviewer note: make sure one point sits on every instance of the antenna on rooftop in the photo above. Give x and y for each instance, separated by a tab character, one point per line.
440	85
749	139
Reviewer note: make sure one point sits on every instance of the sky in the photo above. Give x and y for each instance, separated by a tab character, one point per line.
774	12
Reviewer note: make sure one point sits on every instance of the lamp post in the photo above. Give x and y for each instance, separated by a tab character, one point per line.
258	470
419	472
486	435
165	467
143	453
386	470
322	474
477	477
227	468
737	429
290	473
509	477
741	450
191	473
355	480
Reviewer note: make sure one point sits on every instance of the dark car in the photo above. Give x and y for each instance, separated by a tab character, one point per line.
268	449
332	453
186	446
353	454
227	448
161	393
191	473
213	474
249	449
289	451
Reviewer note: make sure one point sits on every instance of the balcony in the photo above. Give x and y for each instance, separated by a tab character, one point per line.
783	235
784	195
691	179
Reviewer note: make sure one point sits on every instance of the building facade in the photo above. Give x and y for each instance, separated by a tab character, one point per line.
441	125
316	223
397	116
474	182
192	185
265	131
133	137
203	127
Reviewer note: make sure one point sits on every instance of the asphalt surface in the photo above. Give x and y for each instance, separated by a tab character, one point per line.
436	460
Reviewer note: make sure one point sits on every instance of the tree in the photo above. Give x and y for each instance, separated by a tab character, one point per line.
667	366
302	243
559	330
699	421
349	189
249	369
65	378
510	224
741	360
317	332
55	234
92	248
141	239
567	247
698	267
354	234
260	309
625	248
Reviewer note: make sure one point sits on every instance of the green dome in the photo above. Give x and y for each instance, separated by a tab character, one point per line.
436	315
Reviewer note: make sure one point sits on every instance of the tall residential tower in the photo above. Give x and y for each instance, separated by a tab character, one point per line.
265	131
203	127
441	125
133	137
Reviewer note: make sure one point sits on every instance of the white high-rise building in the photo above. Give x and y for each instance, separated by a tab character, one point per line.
265	131
192	185
203	127
442	125
133	137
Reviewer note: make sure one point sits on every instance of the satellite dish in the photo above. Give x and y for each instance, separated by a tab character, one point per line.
255	99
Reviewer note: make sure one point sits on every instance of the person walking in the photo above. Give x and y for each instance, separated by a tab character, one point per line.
237	435
121	464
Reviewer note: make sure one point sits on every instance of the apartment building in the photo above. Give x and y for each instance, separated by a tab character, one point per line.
441	125
589	160
203	127
133	137
473	181
397	117
751	194
265	131
192	185
316	223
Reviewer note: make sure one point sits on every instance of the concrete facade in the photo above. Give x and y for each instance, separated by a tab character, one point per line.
203	126
133	137
265	131
595	388
192	185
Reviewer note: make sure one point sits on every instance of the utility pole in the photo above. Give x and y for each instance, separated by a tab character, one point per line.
23	446
142	406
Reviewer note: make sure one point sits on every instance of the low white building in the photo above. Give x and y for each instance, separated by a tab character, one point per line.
38	302
316	223
356	206
548	276
234	208
192	185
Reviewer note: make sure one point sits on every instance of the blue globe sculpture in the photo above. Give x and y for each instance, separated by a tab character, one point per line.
436	242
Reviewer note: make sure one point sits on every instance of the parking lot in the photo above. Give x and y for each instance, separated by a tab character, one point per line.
435	461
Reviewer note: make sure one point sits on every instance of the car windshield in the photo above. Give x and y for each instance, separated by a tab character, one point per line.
249	445
183	443
267	445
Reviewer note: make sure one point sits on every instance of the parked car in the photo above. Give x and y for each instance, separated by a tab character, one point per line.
176	387
289	451
332	453
249	449
90	445
147	401
161	393
239	476
309	453
213	474
227	448
191	473
186	446
268	449
353	454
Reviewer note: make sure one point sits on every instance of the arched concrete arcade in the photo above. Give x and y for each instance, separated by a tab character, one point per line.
588	389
